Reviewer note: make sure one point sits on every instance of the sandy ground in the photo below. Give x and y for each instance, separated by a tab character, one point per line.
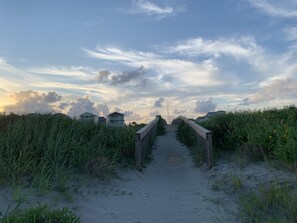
169	190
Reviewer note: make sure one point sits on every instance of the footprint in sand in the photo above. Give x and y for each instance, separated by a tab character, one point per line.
175	159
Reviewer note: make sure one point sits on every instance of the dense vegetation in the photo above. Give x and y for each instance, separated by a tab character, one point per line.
186	135
41	214
257	134
161	126
43	150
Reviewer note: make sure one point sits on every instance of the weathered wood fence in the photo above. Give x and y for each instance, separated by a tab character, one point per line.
144	139
204	139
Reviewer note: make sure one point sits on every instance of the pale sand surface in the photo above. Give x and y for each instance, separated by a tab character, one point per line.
169	190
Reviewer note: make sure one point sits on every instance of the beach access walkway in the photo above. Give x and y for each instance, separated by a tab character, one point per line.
169	190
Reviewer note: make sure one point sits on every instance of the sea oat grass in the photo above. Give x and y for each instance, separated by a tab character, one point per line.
38	150
41	214
258	135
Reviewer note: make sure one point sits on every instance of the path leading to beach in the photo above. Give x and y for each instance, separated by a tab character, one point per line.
169	190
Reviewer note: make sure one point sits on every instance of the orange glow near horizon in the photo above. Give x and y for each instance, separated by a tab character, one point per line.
5	100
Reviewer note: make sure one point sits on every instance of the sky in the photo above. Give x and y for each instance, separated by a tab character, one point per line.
145	58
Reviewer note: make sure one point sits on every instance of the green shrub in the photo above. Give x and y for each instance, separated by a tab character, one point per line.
41	214
186	135
161	126
270	133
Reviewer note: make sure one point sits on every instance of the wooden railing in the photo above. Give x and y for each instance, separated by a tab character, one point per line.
204	139
144	139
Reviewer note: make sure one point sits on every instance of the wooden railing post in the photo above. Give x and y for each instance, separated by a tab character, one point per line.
137	151
141	142
209	151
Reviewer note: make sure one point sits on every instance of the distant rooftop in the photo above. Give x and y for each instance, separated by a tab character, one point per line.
87	114
115	113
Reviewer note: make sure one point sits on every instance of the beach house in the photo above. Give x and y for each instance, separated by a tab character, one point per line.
116	119
88	117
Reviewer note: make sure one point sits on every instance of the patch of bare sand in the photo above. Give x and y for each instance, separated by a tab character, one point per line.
227	175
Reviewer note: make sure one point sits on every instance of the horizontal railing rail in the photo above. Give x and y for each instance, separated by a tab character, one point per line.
204	138
143	138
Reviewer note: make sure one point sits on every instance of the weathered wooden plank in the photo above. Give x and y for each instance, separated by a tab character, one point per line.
140	139
207	137
143	131
137	151
197	128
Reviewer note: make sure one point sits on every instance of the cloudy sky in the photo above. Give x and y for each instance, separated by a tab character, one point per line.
144	58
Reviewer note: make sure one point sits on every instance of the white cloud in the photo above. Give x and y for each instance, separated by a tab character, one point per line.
151	9
277	89
82	73
32	102
116	54
242	47
153	114
277	8
132	116
179	112
12	78
81	105
103	92
103	109
181	72
204	106
2	60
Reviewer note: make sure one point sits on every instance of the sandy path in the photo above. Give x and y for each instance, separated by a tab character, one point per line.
168	190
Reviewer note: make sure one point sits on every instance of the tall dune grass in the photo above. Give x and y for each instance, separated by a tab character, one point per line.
40	150
258	134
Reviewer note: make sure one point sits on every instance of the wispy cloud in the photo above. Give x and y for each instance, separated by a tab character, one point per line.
12	78
285	9
151	9
116	54
104	93
167	70
83	73
242	47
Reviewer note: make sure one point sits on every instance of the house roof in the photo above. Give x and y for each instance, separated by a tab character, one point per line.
115	113
87	113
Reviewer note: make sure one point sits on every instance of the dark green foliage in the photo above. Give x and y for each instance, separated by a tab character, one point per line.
41	150
271	133
161	126
186	135
41	214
